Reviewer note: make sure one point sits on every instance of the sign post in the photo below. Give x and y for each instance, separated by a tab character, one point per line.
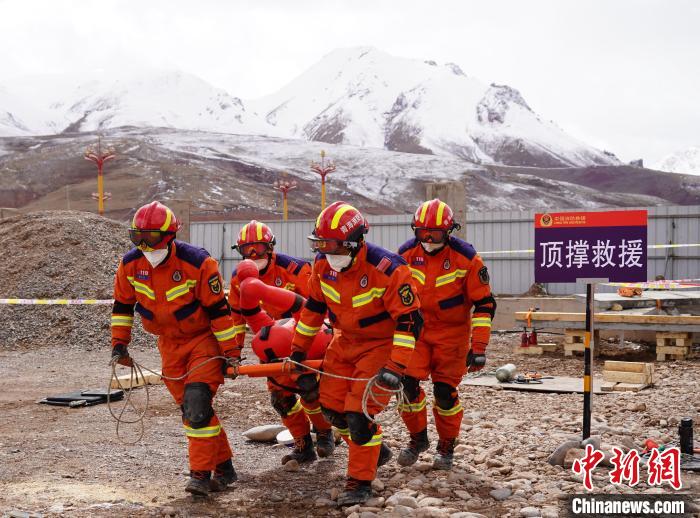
591	247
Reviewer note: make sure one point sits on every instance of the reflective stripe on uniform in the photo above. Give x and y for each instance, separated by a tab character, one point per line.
122	320
311	411
450	277
413	407
237	330
367	297
295	409
418	275
330	292
481	322
376	440
343	431
305	330
180	290
139	287
207	431
404	340
226	334
450	411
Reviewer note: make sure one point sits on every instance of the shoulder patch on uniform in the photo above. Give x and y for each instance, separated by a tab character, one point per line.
131	255
406	294
190	253
215	284
484	275
462	247
411	243
384	260
233	273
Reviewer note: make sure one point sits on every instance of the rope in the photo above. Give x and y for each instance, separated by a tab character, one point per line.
372	391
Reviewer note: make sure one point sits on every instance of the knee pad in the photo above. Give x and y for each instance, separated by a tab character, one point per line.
308	387
411	387
445	395
196	404
281	403
336	419
361	430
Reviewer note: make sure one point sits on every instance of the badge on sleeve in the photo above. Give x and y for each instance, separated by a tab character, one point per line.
406	294
215	284
484	275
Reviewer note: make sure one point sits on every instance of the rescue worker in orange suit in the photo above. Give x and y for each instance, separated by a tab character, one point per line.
273	342
370	299
256	243
177	290
452	281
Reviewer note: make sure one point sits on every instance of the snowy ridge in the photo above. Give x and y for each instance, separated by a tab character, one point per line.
686	161
358	97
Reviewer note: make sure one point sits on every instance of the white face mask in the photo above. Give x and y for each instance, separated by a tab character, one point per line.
338	262
432	247
156	256
261	263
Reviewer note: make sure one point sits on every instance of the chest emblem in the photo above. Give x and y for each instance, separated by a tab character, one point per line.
446	264
363	281
142	275
332	275
177	276
418	261
278	281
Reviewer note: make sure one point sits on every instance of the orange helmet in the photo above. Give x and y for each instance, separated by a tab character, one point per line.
255	240
154	226
340	225
433	221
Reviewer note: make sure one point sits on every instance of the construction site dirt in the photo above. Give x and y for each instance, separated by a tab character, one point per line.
68	461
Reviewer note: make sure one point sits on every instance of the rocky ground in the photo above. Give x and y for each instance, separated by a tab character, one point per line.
59	461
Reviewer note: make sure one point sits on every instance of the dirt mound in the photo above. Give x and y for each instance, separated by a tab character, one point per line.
56	255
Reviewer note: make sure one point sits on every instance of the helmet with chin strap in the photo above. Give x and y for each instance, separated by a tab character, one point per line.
339	227
433	222
153	227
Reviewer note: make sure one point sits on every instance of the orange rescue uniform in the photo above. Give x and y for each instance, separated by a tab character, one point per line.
364	304
451	282
291	273
182	302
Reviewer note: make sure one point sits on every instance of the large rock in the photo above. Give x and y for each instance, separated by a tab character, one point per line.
264	433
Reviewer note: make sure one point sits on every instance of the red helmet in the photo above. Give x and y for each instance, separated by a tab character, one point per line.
154	226
255	240
433	221
340	225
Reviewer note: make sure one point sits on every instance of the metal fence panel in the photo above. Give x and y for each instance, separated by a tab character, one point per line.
487	231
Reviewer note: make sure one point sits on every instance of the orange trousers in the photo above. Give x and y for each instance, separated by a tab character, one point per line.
301	414
355	358
441	354
208	445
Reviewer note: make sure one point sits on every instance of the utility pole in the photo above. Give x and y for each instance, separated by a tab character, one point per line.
284	186
323	169
99	158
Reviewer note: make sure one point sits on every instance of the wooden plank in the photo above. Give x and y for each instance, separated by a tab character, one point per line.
626	377
549	347
570	348
625	366
532	350
608	386
150	379
630	387
560	384
664	334
672	349
545	316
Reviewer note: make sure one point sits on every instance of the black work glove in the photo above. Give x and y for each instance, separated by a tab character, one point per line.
308	385
475	361
299	357
120	354
388	378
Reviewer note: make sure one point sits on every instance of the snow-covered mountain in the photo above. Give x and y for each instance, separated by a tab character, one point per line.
358	96
143	98
365	97
686	161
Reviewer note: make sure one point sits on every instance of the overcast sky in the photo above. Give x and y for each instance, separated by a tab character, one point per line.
623	75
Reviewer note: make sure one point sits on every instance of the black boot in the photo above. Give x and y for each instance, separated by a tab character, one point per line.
418	444
325	443
224	476
198	484
385	455
445	454
303	451
356	492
